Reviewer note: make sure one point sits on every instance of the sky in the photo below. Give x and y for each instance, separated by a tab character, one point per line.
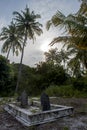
34	53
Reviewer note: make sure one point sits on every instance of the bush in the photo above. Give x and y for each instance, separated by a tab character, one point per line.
64	91
60	91
5	76
80	84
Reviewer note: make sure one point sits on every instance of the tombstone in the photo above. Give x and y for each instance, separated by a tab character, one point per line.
45	103
24	99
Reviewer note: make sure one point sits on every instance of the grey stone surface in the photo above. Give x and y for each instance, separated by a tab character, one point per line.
24	99
45	102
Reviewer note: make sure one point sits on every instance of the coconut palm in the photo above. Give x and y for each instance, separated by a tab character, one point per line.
11	40
28	26
52	56
64	56
83	8
78	60
75	27
57	57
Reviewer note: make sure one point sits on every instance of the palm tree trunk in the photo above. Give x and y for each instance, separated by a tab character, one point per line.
85	63
8	52
20	67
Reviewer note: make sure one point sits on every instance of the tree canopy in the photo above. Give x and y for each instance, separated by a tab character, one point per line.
12	40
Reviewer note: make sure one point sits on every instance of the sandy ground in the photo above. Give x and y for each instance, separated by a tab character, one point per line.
78	121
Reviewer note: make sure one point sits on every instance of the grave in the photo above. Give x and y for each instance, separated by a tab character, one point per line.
36	113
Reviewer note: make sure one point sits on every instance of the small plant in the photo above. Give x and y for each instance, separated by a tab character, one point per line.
32	128
65	128
33	110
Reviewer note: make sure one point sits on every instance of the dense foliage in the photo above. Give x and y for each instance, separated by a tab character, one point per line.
46	76
35	80
6	77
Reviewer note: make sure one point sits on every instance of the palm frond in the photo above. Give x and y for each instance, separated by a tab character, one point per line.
48	24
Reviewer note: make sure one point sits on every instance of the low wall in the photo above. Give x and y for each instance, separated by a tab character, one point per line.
26	117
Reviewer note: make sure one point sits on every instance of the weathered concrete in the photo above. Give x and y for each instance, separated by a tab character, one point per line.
34	116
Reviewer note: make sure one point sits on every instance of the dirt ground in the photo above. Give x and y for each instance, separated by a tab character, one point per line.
78	121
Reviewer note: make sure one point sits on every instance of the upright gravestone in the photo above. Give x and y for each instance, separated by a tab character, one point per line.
24	99
45	102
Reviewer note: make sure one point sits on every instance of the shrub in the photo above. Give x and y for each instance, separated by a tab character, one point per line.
80	84
60	91
64	91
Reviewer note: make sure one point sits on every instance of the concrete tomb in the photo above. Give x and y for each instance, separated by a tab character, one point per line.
34	115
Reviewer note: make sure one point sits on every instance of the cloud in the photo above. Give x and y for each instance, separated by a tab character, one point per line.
2	22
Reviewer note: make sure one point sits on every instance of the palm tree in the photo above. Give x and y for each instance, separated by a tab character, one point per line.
75	26
83	7
52	56
78	60
11	39
64	56
28	27
57	57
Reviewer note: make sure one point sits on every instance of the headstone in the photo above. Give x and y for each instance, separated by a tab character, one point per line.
24	99
45	102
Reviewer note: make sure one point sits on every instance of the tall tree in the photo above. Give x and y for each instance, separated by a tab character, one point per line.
11	39
28	26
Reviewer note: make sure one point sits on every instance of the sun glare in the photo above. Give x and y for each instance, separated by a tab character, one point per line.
45	47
